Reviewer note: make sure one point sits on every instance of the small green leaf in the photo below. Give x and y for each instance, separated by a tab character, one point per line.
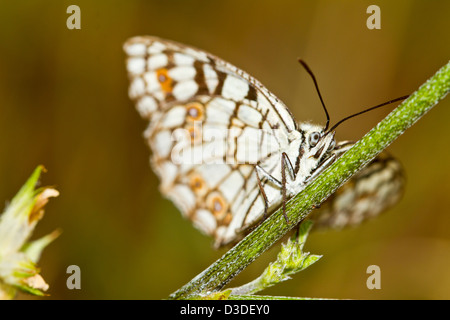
33	249
17	256
290	260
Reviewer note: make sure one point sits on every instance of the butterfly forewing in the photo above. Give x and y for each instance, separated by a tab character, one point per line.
210	123
219	138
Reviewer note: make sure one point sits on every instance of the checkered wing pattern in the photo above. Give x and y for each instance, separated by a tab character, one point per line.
205	132
213	130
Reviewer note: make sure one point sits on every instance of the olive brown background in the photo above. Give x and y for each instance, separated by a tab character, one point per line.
64	104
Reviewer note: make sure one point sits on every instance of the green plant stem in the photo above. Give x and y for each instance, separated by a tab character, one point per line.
216	276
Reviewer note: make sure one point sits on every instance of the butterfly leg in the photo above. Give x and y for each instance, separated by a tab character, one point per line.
285	164
324	166
261	189
340	148
267	176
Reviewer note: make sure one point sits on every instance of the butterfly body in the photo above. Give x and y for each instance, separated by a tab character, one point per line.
228	151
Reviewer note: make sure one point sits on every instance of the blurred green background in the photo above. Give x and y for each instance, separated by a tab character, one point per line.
64	104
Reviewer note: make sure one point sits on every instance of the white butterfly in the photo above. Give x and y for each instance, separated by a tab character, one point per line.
228	151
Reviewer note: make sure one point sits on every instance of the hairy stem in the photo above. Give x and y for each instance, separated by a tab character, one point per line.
216	276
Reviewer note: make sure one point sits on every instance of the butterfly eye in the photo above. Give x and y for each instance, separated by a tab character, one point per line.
314	138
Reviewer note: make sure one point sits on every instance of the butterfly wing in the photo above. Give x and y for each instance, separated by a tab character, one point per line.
210	123
371	191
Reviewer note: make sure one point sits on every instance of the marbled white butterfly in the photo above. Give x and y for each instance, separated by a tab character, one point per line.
228	151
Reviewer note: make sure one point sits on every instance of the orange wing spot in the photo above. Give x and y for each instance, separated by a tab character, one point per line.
218	205
164	80
198	185
195	111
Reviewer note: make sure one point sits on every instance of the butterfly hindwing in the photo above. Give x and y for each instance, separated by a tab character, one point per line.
371	191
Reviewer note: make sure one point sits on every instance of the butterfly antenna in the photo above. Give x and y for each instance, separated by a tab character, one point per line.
367	110
303	63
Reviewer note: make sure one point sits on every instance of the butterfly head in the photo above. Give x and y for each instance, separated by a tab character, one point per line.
318	144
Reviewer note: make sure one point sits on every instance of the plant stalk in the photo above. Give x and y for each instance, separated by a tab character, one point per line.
216	276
